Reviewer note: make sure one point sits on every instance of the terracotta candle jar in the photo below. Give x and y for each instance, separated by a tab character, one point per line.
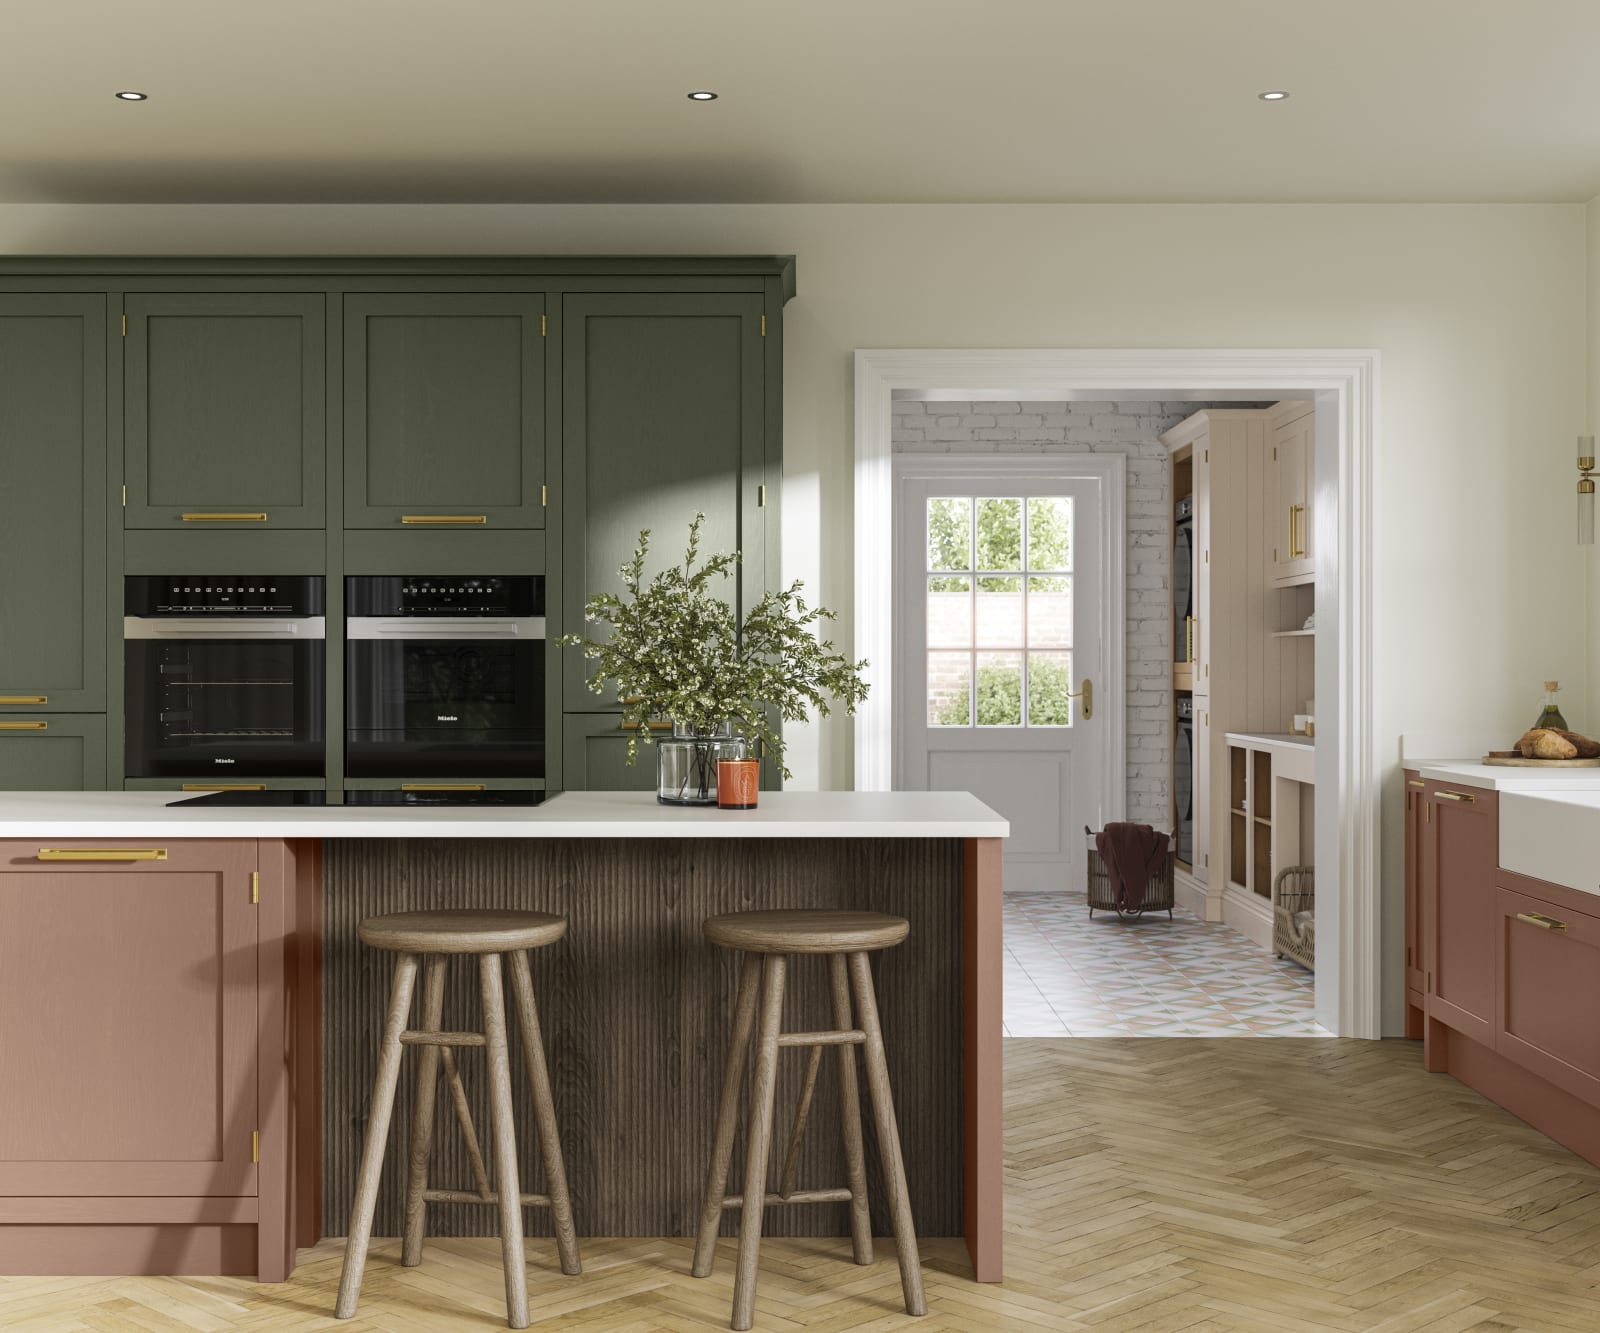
738	783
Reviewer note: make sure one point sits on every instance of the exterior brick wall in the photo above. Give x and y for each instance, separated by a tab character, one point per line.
1132	429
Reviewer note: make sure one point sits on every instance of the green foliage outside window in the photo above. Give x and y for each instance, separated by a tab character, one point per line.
1000	695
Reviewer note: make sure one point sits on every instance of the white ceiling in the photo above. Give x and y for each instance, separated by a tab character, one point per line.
821	100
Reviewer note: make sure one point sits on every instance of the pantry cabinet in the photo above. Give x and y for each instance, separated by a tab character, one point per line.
444	410
225	410
128	1018
53	511
54	752
595	755
1293	470
1461	852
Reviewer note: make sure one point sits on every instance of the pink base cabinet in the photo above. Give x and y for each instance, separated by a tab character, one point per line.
153	1052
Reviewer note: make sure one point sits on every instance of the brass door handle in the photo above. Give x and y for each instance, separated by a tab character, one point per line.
474	520
1541	920
224	786
645	726
1412	782
1087	695
1455	796
24	726
9	699
102	854
225	518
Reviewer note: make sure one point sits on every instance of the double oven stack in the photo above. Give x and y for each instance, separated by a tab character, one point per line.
226	680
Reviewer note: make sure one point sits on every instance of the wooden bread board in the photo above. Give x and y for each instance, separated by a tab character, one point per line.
1511	759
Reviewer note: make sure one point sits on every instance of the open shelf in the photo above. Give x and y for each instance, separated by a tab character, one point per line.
1294	634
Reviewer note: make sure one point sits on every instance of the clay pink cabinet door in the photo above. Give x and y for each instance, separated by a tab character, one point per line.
1461	854
1550	992
128	1021
1415	979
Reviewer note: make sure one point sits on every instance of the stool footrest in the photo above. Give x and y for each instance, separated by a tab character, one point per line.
472	1196
795	1196
412	1038
845	1037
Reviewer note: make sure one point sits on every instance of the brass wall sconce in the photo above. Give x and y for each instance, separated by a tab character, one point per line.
1586	474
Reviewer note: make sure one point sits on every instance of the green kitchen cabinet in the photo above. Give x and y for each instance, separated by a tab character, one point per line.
225	410
53	515
664	417
54	753
444	410
594	748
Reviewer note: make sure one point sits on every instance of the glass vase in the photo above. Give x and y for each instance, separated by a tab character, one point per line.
686	764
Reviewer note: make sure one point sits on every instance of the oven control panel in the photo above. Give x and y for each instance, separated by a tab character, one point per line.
223	594
445	595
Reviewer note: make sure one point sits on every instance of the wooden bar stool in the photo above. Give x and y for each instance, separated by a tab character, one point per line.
766	940
435	936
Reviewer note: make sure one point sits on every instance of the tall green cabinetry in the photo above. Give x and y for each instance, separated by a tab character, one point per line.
366	416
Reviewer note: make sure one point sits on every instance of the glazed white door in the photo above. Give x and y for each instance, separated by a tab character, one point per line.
1001	658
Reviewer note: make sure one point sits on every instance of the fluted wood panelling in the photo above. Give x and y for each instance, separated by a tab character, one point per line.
636	1006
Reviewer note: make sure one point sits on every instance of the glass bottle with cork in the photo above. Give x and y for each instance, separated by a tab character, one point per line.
1550	715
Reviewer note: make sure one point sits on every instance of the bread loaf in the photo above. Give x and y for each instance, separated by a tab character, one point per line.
1587	749
1552	745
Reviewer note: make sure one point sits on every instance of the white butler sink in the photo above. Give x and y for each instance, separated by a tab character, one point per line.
1553	836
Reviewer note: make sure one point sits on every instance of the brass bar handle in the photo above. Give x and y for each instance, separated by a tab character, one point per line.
1455	796
1541	920
9	699
1087	695
474	520
24	726
645	726
1412	782
443	786
102	854
1188	633
224	786
225	518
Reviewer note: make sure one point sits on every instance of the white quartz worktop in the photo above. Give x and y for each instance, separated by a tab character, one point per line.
788	814
1490	777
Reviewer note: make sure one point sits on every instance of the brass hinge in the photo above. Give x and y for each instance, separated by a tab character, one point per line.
544	496
255	886
1208	860
544	332
761	497
1206	457
1274	553
763	326
255	1145
124	326
1274	453
124	495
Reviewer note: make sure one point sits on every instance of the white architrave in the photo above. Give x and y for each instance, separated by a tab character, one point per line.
1345	385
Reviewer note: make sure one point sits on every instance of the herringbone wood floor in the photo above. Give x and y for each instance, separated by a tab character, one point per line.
1156	1185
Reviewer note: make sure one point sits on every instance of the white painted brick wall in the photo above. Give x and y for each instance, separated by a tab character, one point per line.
1132	429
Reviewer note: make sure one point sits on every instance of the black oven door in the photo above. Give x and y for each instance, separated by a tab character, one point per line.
222	708
443	707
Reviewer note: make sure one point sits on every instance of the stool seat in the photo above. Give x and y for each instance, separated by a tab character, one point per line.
816	932
462	930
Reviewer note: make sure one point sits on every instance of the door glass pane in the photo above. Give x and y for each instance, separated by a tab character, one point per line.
999	689
1049	684
1050	532
999	534
999	612
1049	612
949	689
949	612
950	533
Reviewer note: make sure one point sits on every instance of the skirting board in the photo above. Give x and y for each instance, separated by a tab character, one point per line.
1249	914
1189	893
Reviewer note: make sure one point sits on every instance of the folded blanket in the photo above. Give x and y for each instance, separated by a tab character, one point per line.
1134	854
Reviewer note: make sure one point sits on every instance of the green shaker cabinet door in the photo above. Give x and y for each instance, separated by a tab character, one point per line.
52	503
226	410
663	415
594	750
444	410
53	753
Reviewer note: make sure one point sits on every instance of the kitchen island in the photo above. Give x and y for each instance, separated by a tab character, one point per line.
193	1025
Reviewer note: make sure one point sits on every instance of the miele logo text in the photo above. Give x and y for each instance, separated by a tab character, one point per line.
446	717
222	761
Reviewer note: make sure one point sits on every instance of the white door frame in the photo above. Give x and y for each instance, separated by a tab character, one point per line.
1111	471
1344	383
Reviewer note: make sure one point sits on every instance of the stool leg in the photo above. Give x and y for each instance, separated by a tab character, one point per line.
507	1187
744	1016
855	1159
544	1115
383	1087
763	1091
433	975
894	1167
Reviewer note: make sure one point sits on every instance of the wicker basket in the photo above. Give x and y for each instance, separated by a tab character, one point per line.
1294	915
1158	893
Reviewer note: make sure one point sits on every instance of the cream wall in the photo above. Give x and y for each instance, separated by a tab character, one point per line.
1480	313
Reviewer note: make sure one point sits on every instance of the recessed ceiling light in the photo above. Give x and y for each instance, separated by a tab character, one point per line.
702	95
131	96
1275	96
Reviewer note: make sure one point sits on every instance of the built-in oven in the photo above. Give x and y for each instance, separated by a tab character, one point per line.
445	677
225	677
